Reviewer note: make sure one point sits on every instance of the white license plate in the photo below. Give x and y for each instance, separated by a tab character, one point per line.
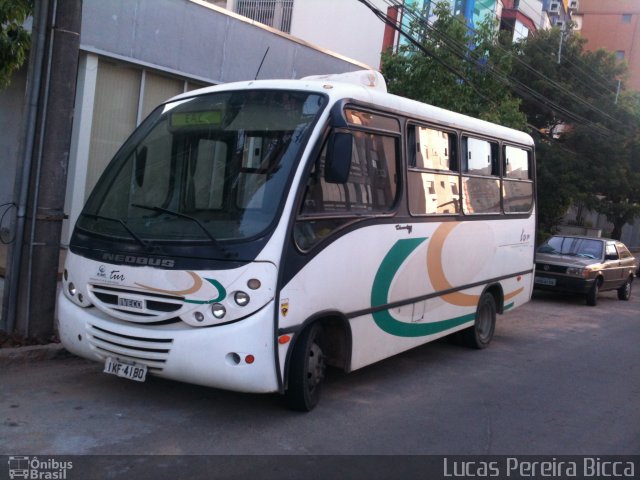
545	281
125	370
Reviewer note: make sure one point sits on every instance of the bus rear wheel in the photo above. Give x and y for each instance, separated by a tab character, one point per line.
306	372
480	334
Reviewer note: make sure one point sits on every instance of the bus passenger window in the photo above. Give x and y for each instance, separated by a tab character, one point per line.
481	195
434	149
517	185
516	163
479	157
433	193
480	182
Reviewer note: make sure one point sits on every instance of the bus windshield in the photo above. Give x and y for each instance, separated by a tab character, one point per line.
208	168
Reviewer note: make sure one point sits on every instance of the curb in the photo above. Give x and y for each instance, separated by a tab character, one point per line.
36	353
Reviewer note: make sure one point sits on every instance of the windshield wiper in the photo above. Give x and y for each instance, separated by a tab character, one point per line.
123	224
181	215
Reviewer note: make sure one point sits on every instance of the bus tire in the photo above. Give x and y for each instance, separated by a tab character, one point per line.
306	372
480	334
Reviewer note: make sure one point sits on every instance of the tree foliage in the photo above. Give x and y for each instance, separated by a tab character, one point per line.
15	40
590	161
585	125
452	69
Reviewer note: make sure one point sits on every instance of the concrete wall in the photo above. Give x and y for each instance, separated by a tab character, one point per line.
200	41
344	26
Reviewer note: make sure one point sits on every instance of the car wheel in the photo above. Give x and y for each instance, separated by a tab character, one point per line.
306	371
624	292
592	296
480	334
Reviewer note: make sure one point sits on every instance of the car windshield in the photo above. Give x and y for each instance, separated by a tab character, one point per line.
209	168
580	247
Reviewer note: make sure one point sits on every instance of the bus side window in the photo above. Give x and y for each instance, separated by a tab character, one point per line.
517	184
370	189
433	179
480	181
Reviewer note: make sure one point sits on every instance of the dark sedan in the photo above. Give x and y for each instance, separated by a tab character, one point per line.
585	265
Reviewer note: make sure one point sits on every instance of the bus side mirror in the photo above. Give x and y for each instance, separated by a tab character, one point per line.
140	165
338	161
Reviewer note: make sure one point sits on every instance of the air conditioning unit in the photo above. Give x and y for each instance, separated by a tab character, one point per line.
573	5
554	7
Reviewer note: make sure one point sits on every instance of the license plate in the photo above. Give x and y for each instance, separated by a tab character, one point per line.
125	370
129	302
545	281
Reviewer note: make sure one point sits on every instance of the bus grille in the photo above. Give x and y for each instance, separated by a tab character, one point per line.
137	306
152	352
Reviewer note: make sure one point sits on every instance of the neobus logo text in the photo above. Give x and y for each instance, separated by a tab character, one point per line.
136	260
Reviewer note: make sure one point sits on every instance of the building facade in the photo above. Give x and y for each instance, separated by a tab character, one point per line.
613	25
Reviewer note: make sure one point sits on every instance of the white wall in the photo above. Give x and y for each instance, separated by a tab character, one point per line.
346	27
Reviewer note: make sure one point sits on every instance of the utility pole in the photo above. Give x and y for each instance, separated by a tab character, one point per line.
33	271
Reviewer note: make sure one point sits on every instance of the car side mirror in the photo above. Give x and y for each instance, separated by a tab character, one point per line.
338	160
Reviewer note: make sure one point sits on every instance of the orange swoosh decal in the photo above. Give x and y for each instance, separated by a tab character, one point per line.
197	283
509	296
436	270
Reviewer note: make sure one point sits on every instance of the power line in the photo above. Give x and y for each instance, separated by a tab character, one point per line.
465	53
421	20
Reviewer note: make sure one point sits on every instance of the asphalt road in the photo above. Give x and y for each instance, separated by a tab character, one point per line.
559	378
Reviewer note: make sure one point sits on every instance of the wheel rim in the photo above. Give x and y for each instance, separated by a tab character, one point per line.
315	367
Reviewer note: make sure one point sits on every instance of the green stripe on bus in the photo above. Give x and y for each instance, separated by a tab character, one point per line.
222	293
380	296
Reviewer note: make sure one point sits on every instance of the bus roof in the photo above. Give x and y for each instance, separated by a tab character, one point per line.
355	86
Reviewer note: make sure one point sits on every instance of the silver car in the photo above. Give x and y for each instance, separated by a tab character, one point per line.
585	265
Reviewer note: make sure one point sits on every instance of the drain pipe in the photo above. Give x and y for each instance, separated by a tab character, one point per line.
30	114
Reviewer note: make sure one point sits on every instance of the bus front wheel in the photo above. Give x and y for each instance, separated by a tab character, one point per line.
306	371
480	334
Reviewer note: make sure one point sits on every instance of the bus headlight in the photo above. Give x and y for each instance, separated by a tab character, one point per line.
218	310
241	298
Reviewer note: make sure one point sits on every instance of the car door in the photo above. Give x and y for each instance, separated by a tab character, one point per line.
613	269
628	264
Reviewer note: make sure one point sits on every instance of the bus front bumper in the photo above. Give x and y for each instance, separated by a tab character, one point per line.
238	356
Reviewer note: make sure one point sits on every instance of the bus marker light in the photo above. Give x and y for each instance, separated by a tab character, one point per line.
284	339
254	284
198	316
72	289
249	359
